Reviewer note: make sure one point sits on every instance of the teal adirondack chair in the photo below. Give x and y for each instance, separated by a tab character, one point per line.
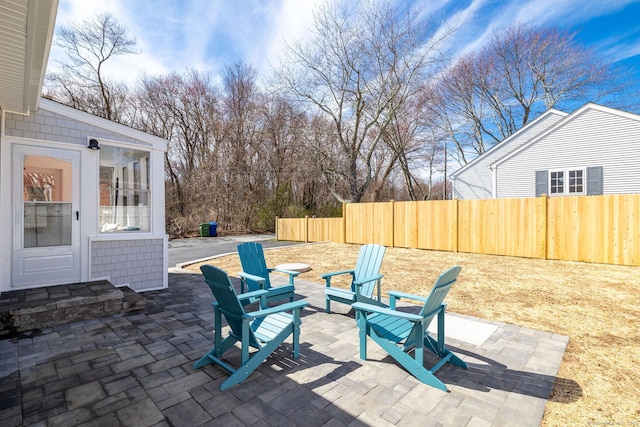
264	330
398	332
255	273
365	277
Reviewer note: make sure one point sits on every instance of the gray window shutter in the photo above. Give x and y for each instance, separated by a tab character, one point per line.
542	183
594	181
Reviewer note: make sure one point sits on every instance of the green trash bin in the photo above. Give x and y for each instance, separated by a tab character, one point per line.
204	230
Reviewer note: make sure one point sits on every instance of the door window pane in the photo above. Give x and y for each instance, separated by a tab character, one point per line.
46	201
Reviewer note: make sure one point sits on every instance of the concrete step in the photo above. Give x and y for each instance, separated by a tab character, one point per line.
33	309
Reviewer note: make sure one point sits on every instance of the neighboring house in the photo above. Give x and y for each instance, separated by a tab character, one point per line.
594	150
70	212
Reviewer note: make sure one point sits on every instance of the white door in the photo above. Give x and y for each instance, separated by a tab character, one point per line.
46	219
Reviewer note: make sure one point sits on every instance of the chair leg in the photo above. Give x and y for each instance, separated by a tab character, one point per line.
327	308
363	327
256	359
205	360
438	347
409	363
217	351
296	333
446	353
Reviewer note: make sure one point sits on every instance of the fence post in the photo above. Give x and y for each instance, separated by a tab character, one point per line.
276	228
393	223
344	223
545	226
306	228
456	238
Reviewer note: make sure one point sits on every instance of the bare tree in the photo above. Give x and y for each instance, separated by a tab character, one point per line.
82	83
357	71
241	98
522	71
186	110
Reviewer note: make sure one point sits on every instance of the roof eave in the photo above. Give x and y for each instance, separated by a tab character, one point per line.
40	28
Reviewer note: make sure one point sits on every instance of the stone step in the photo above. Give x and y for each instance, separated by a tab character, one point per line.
33	309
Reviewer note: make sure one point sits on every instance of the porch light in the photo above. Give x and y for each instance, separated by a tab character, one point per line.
93	144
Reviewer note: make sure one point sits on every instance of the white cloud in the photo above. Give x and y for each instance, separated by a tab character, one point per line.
567	12
124	68
619	50
292	20
208	34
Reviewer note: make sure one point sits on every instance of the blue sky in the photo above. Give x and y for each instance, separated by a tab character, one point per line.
206	35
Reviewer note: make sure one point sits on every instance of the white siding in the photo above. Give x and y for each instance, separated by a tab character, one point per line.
593	137
476	181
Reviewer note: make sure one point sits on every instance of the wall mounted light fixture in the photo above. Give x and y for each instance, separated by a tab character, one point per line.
93	144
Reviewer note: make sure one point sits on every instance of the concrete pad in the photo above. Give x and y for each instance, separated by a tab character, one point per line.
464	329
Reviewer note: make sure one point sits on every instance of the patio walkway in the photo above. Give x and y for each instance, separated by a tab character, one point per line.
135	370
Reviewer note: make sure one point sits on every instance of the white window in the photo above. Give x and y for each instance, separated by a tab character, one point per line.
567	182
576	181
556	182
124	190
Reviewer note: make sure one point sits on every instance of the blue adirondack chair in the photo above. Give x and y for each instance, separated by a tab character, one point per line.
264	330
365	277
255	273
398	332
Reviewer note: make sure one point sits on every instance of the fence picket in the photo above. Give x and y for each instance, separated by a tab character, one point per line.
600	229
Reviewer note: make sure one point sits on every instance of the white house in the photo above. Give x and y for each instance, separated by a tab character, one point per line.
594	150
81	197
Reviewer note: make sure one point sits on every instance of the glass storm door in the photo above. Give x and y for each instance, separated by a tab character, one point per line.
46	240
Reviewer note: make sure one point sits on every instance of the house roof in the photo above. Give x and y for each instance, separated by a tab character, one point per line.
563	122
26	31
493	151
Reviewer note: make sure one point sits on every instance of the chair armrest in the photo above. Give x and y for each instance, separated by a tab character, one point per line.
399	294
289	272
260	280
335	273
252	294
327	276
368	279
295	305
370	308
396	295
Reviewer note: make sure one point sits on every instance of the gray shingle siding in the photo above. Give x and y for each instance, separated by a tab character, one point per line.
594	138
48	126
135	263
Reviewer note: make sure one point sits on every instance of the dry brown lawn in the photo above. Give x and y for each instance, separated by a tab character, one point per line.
597	306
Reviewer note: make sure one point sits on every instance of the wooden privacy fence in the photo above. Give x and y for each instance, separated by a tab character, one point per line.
601	229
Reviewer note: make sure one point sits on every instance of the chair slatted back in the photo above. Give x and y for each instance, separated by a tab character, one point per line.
226	299
368	265
253	262
439	291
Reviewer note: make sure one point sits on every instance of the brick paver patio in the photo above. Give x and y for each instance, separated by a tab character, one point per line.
135	370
